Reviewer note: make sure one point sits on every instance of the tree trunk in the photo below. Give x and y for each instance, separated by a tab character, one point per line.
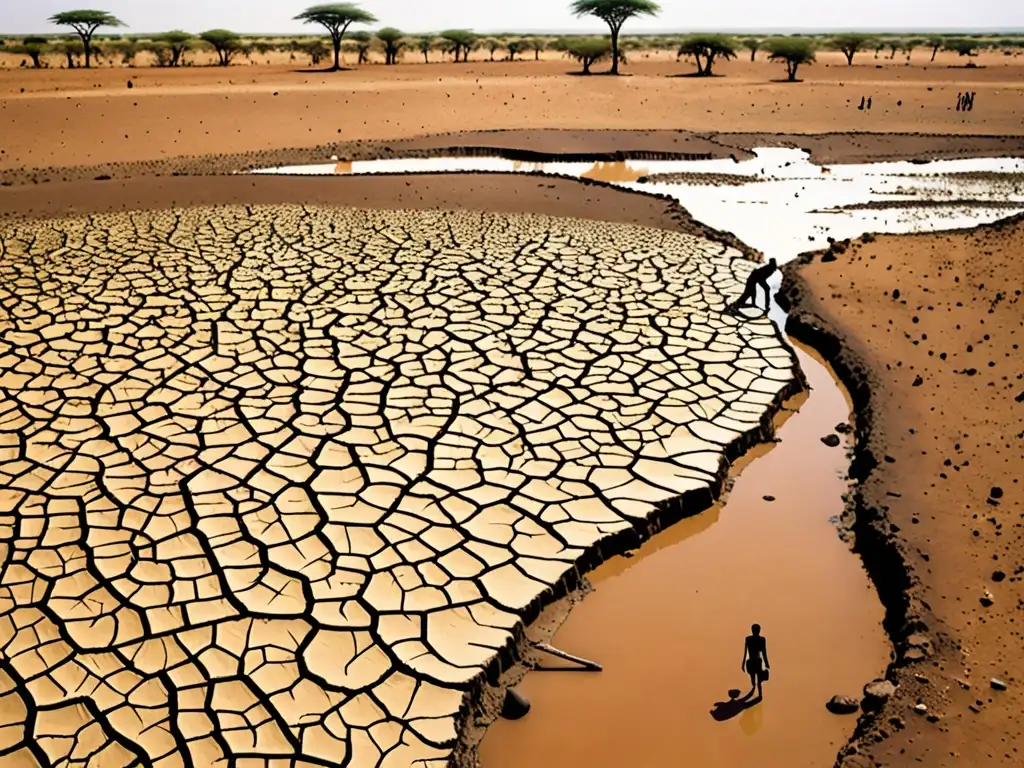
849	58
792	71
753	54
536	55
86	41
615	50
935	50
336	39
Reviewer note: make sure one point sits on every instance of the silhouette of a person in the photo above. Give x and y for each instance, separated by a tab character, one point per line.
759	277
755	659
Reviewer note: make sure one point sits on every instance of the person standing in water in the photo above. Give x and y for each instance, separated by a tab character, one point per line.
755	659
758	278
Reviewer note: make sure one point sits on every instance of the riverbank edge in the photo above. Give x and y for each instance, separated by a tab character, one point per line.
875	538
538	146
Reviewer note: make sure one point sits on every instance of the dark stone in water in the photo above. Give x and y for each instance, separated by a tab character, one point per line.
832	441
842	705
516	705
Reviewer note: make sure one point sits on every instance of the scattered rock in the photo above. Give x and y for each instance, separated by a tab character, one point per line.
844	429
997	684
768	498
516	705
933	718
921	707
963	683
987	599
896	293
832	441
918	381
130	85
996	492
842	705
998	576
876	693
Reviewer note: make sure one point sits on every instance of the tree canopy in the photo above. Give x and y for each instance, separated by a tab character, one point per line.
705	48
85	23
794	51
225	42
850	43
615	13
336	18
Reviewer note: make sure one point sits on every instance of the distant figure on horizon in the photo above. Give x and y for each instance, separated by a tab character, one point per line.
759	277
755	659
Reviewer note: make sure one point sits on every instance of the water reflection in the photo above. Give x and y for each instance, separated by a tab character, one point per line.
616	171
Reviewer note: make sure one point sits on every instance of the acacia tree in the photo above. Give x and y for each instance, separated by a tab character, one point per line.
393	41
535	44
849	44
177	43
614	13
317	51
336	18
589	51
462	42
514	47
33	47
492	44
362	41
935	43
705	49
85	23
794	51
71	50
962	45
224	42
425	45
752	44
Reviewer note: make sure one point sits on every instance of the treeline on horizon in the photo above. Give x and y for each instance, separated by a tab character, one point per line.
172	48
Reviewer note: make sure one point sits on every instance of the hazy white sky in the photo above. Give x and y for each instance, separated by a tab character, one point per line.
18	16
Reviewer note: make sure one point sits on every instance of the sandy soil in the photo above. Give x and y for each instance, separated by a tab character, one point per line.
77	117
931	325
668	625
498	193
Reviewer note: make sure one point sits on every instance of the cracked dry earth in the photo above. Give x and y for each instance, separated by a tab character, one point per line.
277	484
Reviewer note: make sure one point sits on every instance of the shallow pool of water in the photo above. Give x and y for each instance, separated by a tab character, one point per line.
795	205
668	625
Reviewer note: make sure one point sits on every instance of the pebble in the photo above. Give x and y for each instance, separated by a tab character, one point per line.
921	707
768	498
987	600
832	441
997	684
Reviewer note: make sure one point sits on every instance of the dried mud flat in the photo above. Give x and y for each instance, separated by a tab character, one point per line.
926	332
284	481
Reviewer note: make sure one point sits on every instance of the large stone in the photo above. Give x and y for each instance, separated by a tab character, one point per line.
876	693
842	705
515	706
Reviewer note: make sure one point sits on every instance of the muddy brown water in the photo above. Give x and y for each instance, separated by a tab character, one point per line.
668	625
